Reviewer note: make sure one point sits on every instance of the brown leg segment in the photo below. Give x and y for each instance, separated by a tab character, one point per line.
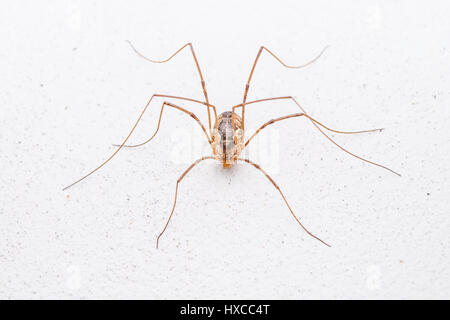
316	124
247	86
272	122
159	122
306	116
118	149
202	81
282	195
329	129
176	194
129	134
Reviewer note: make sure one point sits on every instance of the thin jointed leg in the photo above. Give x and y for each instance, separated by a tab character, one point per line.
306	116
247	86
176	194
282	195
327	128
121	145
171	97
159	122
274	121
316	124
205	93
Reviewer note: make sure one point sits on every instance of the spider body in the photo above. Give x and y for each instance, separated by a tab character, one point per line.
226	133
227	143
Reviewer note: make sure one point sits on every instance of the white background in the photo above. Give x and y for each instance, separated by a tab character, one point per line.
71	86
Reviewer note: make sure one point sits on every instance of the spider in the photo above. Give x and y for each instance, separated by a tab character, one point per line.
226	134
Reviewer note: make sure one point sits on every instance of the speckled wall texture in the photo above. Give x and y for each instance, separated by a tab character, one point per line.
71	87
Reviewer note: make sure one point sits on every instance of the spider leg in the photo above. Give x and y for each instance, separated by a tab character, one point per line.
327	128
120	147
171	97
176	194
282	195
180	98
317	124
272	122
203	83
247	86
159	122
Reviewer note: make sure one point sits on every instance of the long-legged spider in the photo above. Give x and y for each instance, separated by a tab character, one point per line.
226	136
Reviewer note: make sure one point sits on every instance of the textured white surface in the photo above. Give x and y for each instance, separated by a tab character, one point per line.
70	87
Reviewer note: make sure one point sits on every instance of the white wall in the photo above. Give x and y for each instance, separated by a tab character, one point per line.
71	86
